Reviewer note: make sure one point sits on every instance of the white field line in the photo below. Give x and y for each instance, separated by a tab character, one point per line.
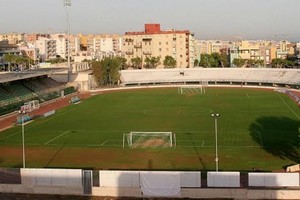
56	137
203	143
248	96
289	107
104	142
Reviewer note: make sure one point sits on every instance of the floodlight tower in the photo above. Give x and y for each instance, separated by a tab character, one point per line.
67	4
215	116
22	114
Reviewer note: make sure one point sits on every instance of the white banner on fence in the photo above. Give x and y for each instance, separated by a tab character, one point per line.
223	179
52	177
190	179
274	179
119	178
160	183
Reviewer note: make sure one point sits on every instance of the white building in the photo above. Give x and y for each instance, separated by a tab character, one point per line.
47	48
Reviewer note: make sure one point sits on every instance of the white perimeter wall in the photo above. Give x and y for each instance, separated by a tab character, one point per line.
51	177
274	179
131	179
223	179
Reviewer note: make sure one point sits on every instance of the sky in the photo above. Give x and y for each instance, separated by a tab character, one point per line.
207	19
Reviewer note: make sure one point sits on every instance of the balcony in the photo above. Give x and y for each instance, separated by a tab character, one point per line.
147	52
128	40
147	37
129	52
138	45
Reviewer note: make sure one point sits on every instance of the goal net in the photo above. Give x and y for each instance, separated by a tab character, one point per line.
149	139
192	89
30	106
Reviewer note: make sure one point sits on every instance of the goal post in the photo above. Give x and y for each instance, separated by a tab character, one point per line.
149	140
190	89
30	106
193	89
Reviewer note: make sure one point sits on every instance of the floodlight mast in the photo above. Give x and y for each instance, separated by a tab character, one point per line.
22	113
215	116
67	4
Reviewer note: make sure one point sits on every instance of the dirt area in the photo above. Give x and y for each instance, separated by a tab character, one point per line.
8	121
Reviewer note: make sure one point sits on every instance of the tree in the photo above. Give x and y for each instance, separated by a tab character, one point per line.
10	59
238	62
283	63
214	60
17	60
107	71
152	62
123	62
136	63
205	60
169	62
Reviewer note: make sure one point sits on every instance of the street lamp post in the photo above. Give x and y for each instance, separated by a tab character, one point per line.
67	4
215	116
22	113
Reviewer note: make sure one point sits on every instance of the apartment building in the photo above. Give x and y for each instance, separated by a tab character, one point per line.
61	41
47	48
33	37
74	45
153	42
297	52
285	48
267	54
6	48
13	38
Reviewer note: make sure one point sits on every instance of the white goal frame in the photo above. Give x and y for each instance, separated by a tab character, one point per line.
30	106
201	86
129	137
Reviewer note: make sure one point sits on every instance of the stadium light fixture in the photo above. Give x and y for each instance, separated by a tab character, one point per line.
67	4
215	116
22	113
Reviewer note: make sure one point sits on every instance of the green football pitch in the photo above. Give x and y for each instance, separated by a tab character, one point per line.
256	129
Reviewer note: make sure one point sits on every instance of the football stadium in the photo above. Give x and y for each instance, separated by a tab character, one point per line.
238	127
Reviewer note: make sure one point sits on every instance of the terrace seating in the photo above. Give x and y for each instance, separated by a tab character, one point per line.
249	75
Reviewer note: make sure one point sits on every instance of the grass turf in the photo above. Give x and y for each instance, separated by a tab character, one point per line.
257	128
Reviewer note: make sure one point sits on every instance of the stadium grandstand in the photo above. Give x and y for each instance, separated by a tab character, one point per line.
16	88
245	76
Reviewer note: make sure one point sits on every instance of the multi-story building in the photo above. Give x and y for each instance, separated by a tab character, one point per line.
285	48
47	48
6	48
249	50
33	37
61	41
74	45
297	52
267	54
13	38
154	42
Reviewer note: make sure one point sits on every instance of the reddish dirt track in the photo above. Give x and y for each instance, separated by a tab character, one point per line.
8	121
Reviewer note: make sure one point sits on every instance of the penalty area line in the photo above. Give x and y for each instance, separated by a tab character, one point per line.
56	137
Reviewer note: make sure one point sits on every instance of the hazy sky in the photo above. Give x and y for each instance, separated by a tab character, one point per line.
208	19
